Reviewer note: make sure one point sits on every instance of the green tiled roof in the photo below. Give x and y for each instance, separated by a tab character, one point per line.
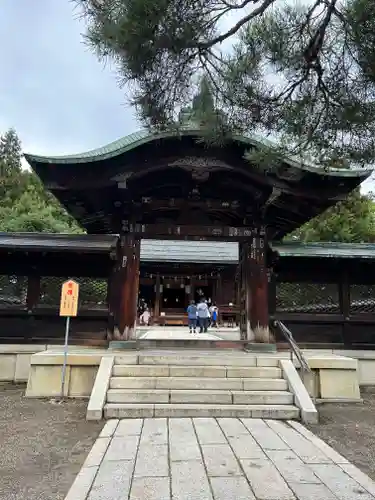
112	149
227	252
179	251
136	139
325	250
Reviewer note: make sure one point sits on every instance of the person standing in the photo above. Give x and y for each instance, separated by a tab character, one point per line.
214	313
192	317
203	316
145	317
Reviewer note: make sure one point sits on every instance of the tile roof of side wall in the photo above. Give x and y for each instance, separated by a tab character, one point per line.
227	252
189	251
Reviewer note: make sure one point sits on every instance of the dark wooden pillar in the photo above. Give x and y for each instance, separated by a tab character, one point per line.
344	294
271	291
157	298
245	294
258	277
33	292
128	285
254	275
31	301
238	287
112	300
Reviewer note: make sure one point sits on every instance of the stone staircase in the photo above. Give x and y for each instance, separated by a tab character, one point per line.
234	384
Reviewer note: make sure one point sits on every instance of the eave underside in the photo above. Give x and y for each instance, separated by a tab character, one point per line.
183	181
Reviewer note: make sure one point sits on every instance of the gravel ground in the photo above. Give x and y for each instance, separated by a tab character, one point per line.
43	445
350	430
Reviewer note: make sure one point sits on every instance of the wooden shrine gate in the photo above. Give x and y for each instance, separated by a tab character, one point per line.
253	274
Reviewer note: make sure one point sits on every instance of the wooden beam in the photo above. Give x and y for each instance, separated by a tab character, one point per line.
188	232
179	203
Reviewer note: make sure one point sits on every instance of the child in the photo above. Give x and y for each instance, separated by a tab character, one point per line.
214	315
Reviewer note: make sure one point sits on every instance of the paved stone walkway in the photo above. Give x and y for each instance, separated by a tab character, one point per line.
215	459
182	333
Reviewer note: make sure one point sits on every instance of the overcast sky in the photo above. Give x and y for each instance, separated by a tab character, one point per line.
53	90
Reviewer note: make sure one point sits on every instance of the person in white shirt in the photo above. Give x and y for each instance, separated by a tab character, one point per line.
203	316
145	317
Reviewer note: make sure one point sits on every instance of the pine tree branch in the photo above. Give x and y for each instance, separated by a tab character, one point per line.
255	13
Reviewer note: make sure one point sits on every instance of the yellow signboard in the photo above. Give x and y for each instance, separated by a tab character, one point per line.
69	298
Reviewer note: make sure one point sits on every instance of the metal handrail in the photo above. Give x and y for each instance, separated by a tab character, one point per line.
294	346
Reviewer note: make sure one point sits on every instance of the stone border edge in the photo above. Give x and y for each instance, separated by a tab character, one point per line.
100	388
309	413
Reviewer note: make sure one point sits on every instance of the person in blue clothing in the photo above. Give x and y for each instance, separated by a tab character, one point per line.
214	312
192	317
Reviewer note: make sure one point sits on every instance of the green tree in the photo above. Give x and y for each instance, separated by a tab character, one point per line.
10	153
24	203
204	113
350	221
303	72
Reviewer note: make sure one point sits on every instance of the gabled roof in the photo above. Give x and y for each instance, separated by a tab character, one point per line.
92	185
132	141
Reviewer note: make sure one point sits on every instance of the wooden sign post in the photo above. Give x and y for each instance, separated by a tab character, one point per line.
68	309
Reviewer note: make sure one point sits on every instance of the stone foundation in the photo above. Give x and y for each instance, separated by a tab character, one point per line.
336	374
46	371
332	378
15	361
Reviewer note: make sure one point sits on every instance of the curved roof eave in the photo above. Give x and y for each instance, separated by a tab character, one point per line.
141	137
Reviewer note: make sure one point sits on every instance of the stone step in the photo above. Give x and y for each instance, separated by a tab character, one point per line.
281	412
199	396
208	359
195	371
234	384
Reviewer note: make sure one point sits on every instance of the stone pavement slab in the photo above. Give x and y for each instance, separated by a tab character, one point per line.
265	480
231	488
151	488
220	460
129	427
304	448
152	461
155	431
112	481
122	449
215	459
173	333
208	431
